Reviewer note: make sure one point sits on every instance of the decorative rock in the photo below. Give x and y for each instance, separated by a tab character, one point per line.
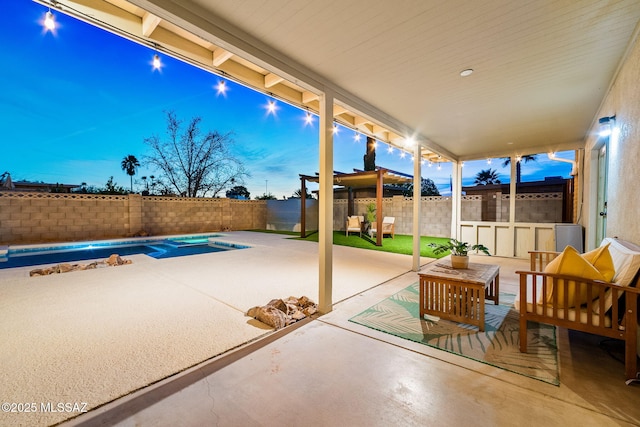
112	261
278	313
115	259
270	316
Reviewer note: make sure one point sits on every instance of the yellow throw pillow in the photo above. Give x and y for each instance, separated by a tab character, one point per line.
571	263
601	259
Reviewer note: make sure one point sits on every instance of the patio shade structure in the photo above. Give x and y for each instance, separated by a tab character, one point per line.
378	178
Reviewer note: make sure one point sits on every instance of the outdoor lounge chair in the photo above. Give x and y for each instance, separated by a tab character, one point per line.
354	224
388	226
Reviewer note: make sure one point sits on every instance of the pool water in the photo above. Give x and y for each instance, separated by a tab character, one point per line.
166	248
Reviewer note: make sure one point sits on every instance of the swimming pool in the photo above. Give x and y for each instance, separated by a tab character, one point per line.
158	248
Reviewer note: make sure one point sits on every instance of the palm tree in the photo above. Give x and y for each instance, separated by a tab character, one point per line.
129	165
527	158
486	177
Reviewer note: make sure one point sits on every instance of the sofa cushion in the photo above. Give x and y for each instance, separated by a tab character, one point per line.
626	260
601	259
571	263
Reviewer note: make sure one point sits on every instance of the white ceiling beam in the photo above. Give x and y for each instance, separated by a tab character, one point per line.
220	56
308	97
379	131
149	23
337	110
271	80
360	121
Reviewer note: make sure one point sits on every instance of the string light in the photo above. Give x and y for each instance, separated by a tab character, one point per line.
356	137
439	166
403	154
462	164
335	129
157	64
430	163
222	88
271	107
489	161
49	21
308	119
389	149
518	158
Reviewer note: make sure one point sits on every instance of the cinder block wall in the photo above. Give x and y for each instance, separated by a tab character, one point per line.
44	217
47	217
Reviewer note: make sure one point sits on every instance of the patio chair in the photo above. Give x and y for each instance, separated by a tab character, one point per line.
388	226
354	224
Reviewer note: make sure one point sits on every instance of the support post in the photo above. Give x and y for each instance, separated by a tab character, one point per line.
325	220
417	194
456	200
379	192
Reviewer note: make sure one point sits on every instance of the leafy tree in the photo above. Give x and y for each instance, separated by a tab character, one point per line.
237	192
112	188
528	158
427	188
193	163
266	196
487	177
298	194
129	164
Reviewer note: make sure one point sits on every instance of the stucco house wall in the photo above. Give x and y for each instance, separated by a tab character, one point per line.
623	189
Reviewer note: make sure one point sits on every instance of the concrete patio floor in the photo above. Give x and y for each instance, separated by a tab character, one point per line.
329	371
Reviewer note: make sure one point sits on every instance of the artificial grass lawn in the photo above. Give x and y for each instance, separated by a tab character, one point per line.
401	244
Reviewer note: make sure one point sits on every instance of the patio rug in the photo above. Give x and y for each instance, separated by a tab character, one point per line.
497	346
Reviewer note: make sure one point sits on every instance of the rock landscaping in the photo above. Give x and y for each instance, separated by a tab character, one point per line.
113	261
279	313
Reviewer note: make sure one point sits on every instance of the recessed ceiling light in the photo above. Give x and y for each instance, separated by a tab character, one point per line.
467	72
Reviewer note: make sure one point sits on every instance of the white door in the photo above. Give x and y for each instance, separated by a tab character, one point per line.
601	220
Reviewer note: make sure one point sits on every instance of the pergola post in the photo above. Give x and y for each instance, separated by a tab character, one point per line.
325	220
303	207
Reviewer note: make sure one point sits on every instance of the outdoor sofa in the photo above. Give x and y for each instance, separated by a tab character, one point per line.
561	290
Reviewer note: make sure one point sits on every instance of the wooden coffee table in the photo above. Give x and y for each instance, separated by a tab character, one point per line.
458	294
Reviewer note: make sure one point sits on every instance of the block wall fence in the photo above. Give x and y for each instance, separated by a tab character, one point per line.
29	217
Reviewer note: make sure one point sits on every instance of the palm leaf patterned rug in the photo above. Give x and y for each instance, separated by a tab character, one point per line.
497	346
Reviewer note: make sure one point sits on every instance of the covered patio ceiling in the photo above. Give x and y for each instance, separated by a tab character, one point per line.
540	67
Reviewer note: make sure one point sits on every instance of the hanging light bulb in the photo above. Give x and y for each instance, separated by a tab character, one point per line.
222	87
356	137
49	21
390	149
439	166
271	107
308	119
157	64
430	163
335	129
489	161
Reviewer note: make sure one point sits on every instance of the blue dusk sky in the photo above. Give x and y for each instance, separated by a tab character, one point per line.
76	101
